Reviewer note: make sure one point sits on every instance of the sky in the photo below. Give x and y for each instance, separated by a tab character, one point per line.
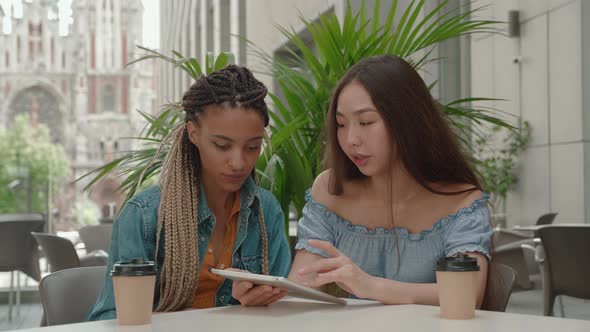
151	18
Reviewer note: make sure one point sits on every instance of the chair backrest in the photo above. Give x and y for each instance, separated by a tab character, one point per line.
502	237
21	217
96	237
60	252
67	295
567	259
17	247
499	287
546	219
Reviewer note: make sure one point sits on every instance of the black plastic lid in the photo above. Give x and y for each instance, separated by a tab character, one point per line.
136	267
458	263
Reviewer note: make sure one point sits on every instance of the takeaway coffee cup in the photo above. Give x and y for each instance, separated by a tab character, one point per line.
134	283
456	277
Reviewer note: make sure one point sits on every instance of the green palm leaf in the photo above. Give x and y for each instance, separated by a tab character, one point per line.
308	77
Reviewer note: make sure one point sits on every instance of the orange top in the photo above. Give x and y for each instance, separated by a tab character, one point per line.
209	282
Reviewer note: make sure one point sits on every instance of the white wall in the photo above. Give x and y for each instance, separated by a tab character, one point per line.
546	89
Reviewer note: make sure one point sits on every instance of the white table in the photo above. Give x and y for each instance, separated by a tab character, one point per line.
534	228
308	316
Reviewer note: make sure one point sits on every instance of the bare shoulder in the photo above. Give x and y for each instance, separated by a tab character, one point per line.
465	199
320	191
320	188
459	201
337	203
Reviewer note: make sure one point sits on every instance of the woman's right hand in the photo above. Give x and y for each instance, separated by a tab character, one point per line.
251	295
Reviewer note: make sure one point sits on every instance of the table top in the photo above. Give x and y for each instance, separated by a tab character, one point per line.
534	228
303	315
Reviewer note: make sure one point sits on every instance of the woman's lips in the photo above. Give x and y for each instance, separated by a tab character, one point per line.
360	160
235	177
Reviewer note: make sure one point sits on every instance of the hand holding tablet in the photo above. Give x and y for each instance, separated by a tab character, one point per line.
251	295
292	288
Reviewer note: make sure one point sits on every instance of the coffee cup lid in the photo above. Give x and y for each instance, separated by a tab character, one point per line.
135	267
458	263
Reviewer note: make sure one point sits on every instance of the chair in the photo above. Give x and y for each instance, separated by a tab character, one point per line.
67	295
511	253
539	257
530	251
566	264
18	250
96	237
61	254
546	219
503	236
499	287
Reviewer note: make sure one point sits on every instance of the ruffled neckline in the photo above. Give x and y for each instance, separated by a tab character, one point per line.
401	231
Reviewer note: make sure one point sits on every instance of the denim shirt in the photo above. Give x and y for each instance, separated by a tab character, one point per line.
134	236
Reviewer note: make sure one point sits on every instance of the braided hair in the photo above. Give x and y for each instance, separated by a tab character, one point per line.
233	86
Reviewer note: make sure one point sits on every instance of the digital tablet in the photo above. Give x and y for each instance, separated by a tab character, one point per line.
294	289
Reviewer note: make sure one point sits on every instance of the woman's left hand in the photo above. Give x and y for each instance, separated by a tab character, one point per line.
337	268
251	295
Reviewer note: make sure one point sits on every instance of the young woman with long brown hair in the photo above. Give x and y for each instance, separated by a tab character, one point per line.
208	210
397	195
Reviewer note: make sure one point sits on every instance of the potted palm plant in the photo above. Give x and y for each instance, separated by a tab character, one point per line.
292	160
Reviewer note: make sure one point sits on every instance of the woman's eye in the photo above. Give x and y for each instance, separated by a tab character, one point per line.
221	147
254	148
339	125
366	123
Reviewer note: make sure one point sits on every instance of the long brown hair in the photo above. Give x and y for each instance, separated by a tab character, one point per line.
419	131
180	179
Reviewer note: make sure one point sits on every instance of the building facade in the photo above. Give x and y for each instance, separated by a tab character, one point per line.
78	84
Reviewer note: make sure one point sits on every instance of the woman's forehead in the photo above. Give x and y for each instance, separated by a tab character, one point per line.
354	98
236	123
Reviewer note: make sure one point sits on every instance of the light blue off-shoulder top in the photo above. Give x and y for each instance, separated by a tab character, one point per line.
395	253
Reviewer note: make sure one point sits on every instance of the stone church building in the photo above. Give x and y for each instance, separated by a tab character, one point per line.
78	84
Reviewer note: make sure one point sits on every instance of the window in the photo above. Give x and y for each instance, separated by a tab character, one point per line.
288	54
52	51
18	48
108	98
100	153
242	32
225	18
31	49
209	26
50	115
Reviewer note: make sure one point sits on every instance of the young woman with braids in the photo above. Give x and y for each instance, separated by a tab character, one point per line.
397	195
207	210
